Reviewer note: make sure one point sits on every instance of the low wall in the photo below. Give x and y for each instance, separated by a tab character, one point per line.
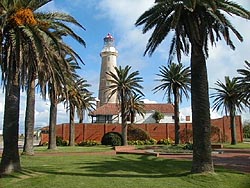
221	131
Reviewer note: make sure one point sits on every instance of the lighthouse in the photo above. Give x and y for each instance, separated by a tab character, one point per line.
108	55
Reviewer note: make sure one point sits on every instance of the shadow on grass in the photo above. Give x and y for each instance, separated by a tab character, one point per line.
121	166
127	166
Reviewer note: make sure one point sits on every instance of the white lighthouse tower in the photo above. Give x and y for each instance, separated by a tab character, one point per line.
109	55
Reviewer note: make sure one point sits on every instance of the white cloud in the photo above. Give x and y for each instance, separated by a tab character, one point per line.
147	101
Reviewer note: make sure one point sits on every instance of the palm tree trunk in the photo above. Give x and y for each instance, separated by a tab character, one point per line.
132	116
72	127
124	125
52	123
10	158
30	118
176	116
202	159
233	129
81	118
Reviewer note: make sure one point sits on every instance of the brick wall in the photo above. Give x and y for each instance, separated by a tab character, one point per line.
157	131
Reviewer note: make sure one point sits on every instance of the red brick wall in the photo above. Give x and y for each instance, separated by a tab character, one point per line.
157	131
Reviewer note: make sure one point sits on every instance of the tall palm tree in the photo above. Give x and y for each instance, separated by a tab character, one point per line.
26	31
196	23
125	85
15	20
228	96
29	124
80	100
175	81
244	81
58	92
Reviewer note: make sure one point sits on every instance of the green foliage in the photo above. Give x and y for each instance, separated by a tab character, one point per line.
158	116
167	141
142	142
61	142
188	146
246	131
136	133
88	143
112	138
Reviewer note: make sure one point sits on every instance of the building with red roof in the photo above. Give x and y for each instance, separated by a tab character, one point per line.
110	113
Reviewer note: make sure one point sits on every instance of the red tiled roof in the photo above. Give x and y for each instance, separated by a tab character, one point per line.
113	109
106	109
163	108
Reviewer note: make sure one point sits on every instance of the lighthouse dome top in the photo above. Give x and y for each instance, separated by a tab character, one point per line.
109	39
109	44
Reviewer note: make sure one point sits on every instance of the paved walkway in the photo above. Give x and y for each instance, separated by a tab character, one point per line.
236	159
230	158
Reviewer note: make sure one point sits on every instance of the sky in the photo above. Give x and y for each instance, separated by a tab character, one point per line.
100	17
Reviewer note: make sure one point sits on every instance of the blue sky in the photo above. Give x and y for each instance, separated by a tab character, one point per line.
101	17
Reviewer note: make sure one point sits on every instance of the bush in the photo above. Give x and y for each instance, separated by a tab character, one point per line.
88	143
112	138
188	146
61	142
135	133
142	142
246	131
165	141
158	116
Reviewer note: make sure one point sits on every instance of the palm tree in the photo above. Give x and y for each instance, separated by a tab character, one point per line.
244	81
135	106
228	97
125	85
26	31
58	92
196	23
79	99
16	19
28	147
175	80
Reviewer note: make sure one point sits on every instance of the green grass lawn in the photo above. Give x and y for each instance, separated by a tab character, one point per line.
237	146
60	149
115	171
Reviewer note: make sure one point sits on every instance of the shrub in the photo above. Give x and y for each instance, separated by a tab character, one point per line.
142	142
61	142
136	133
136	142
188	146
246	131
167	141
112	138
158	116
88	143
